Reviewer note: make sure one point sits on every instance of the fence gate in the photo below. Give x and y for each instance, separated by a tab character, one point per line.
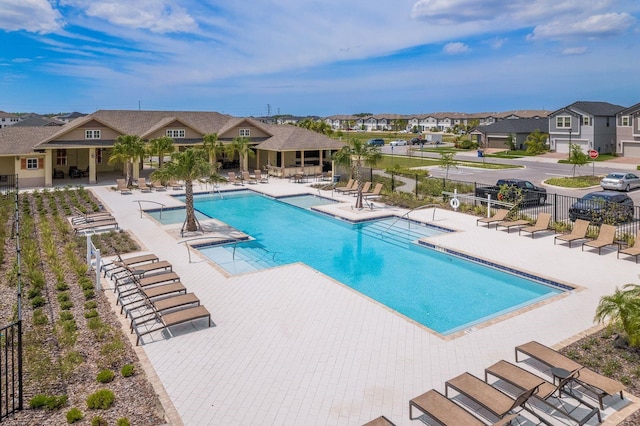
10	369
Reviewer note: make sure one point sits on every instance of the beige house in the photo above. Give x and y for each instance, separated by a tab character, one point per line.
83	146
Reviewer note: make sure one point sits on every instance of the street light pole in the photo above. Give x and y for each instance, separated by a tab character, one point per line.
570	131
391	155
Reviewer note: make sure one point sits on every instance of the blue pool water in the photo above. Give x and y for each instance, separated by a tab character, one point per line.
440	291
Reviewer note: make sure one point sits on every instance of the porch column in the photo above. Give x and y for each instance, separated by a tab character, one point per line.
92	166
136	169
48	168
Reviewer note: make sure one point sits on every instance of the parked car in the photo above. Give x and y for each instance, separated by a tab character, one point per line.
417	141
514	190
620	181
375	142
603	207
398	142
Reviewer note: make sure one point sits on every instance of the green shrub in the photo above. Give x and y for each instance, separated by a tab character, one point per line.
98	421
66	316
62	286
105	376
65	306
123	422
38	401
90	305
89	294
91	314
51	402
127	370
64	297
74	415
39	318
101	399
38	302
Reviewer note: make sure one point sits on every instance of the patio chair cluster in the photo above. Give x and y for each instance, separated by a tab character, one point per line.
352	189
552	389
246	177
92	222
151	295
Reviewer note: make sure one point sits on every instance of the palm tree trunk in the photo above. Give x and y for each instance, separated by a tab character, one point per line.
191	215
359	192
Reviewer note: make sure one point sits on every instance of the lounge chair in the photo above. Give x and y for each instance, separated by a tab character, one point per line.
365	188
175	184
164	321
446	412
597	384
380	421
376	191
142	296
523	379
491	399
120	263
121	186
348	187
247	178
260	177
232	178
542	224
147	310
132	284
95	225
89	217
158	186
142	185
634	250
511	224
579	232
499	216
606	236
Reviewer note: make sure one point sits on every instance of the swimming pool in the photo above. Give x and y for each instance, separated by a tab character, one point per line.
444	293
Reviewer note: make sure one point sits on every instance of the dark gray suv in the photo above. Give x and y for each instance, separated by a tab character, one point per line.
603	207
375	142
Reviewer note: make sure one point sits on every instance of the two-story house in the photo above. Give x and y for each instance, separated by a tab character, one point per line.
628	132
590	125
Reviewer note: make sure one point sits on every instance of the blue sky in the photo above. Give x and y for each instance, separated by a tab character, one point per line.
317	57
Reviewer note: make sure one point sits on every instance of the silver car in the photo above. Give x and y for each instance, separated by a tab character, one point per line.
620	181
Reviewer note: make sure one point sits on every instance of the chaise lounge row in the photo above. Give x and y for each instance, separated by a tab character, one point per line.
151	295
92	222
516	391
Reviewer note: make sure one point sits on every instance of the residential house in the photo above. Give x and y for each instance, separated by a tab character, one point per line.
590	125
8	119
33	153
496	135
628	131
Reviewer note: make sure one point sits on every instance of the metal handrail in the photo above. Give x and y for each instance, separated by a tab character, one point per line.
212	237
329	185
162	206
433	218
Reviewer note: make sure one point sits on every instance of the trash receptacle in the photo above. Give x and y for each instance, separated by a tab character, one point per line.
480	153
336	178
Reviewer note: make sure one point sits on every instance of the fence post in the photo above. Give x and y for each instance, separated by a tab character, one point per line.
393	184
555	208
416	186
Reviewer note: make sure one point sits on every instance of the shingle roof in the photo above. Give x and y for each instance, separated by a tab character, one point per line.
598	109
21	140
521	125
38	120
292	138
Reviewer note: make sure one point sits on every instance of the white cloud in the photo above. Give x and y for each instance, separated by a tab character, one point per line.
496	43
35	16
455	48
575	51
592	26
154	15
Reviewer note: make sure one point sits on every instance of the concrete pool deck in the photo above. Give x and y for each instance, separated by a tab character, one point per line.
292	346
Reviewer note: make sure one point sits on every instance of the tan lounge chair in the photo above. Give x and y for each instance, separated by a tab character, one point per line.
634	250
158	186
142	185
175	184
579	232
260	177
121	186
181	316
376	191
120	263
446	412
542	224
511	224
95	225
247	178
523	379
348	187
380	421
133	284
606	236
140	296
601	386
365	188
232	178
147	311
499	216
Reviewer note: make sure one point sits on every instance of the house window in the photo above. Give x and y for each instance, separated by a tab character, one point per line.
32	163
92	134
175	133
245	133
99	155
61	157
563	122
585	120
625	121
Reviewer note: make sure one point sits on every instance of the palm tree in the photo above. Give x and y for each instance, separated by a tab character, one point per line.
160	147
354	155
623	310
127	149
243	148
214	147
188	165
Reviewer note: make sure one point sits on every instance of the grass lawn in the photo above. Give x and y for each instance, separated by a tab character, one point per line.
575	182
408	162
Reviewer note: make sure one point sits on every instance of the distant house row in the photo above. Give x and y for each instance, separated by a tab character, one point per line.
37	154
601	126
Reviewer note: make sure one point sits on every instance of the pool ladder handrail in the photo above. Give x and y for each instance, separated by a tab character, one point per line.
433	218
162	206
220	237
329	185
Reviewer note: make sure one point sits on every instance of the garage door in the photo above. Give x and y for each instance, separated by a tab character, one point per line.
631	149
493	142
562	146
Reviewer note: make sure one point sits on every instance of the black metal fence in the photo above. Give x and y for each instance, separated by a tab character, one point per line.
10	369
8	183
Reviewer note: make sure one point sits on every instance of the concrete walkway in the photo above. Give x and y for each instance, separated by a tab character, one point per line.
292	346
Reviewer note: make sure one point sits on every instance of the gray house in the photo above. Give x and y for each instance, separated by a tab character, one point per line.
590	125
628	131
495	135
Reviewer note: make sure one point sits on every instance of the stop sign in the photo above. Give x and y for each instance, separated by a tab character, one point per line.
593	154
